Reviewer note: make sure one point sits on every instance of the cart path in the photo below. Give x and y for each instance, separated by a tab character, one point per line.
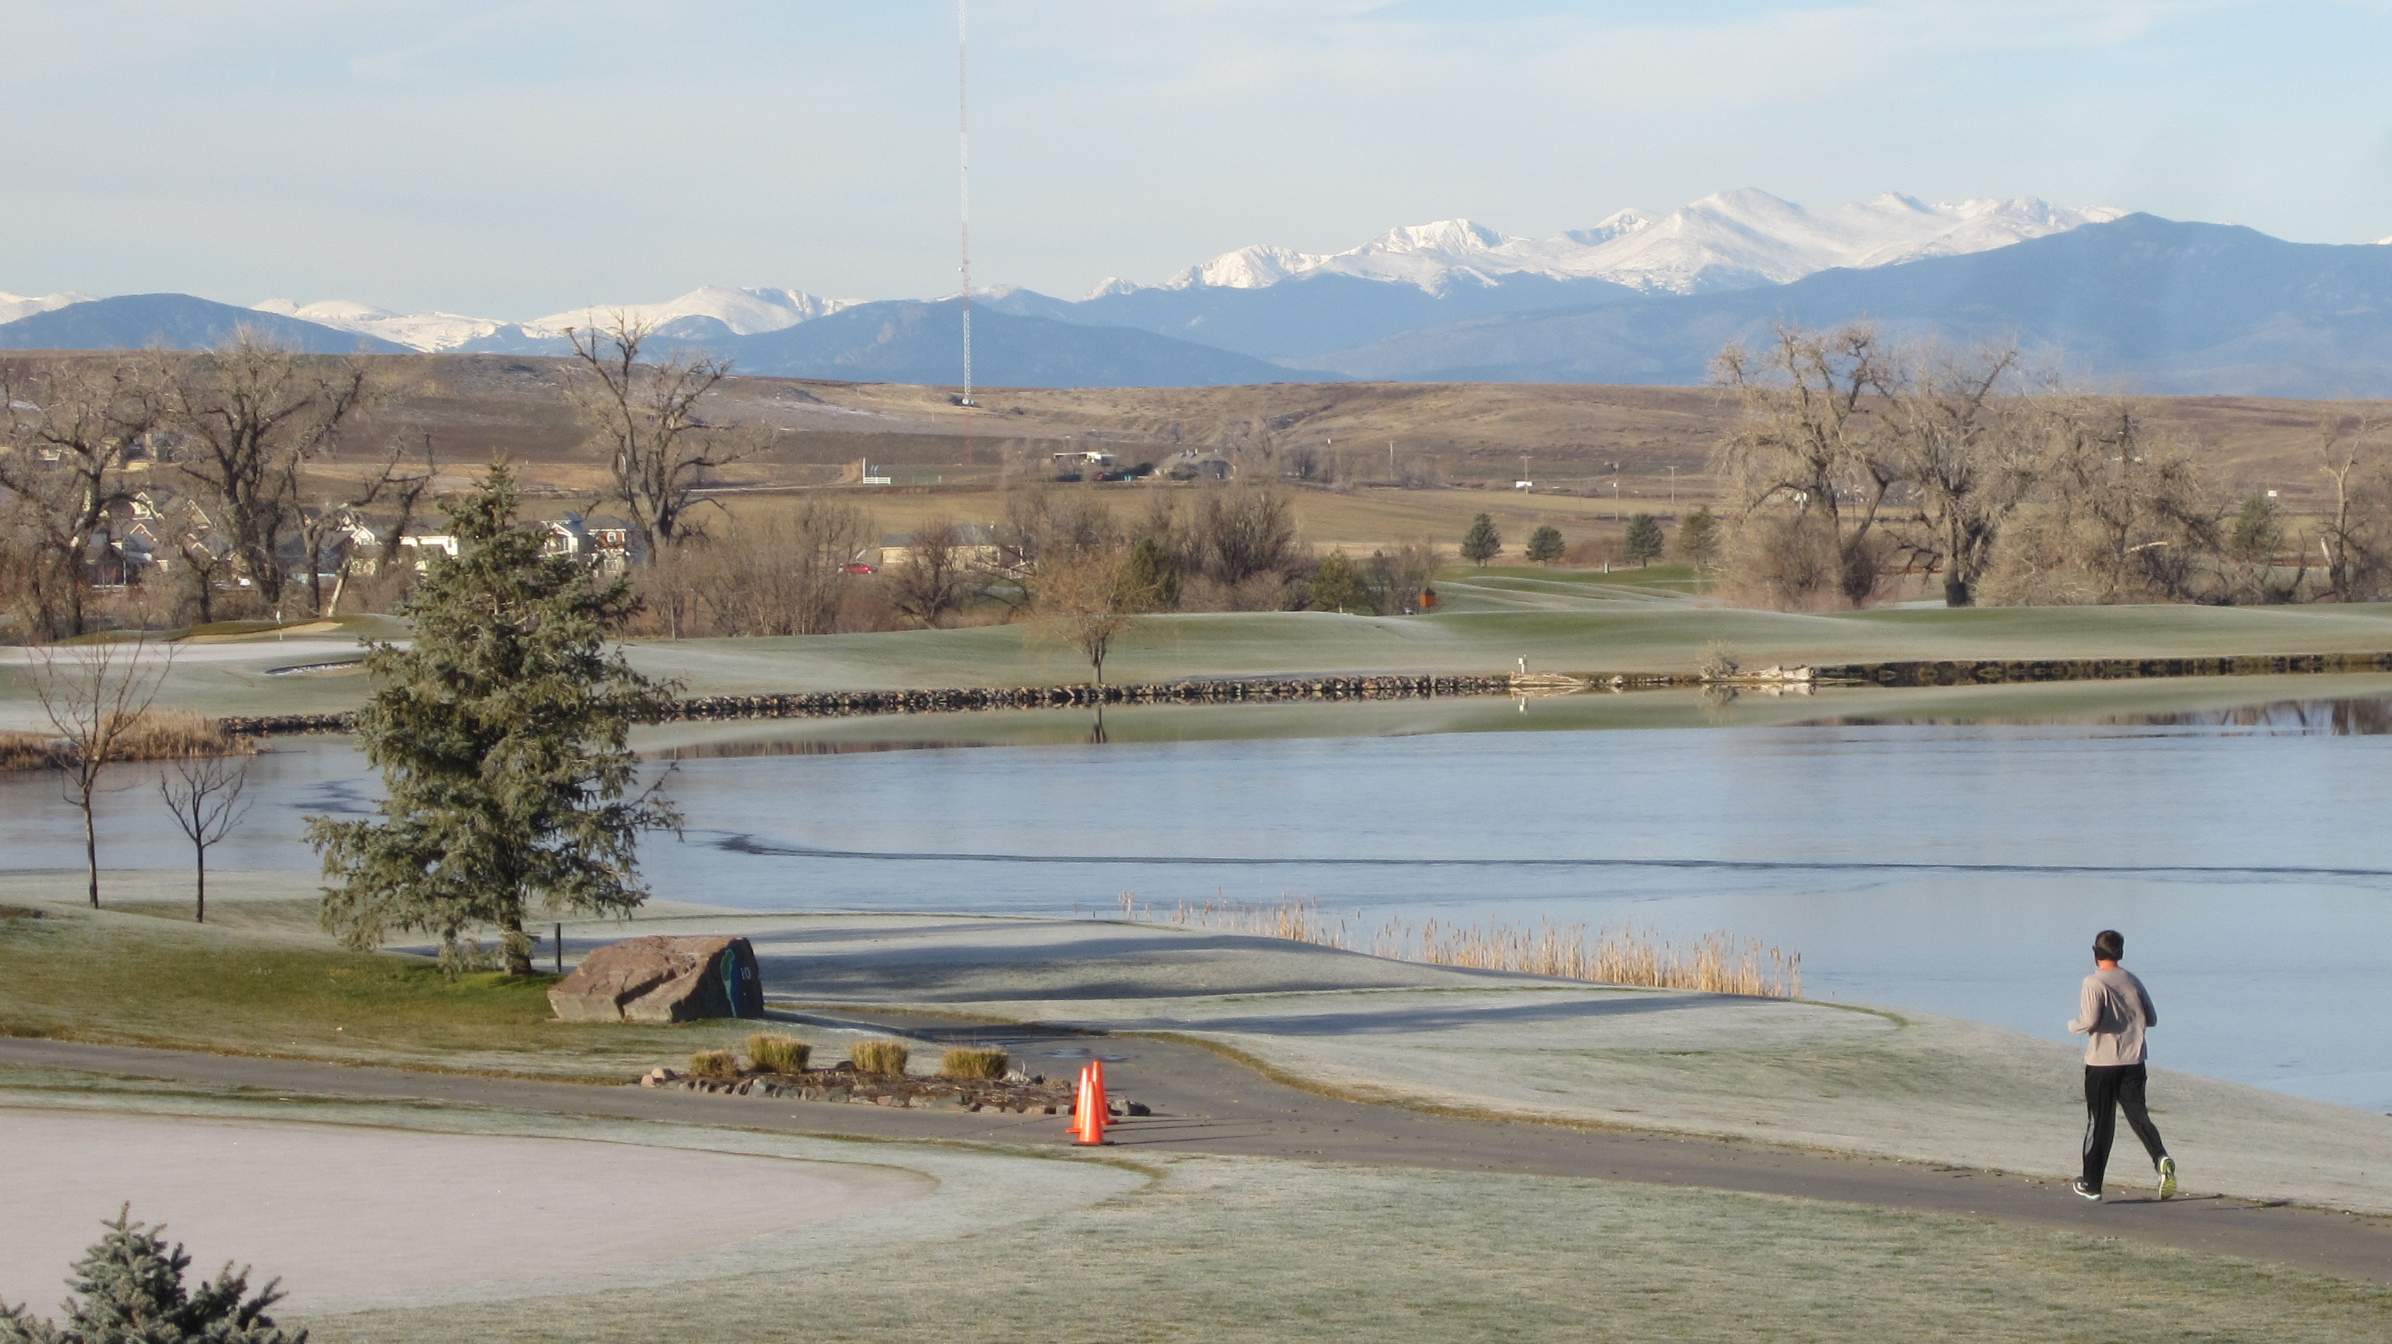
1207	1104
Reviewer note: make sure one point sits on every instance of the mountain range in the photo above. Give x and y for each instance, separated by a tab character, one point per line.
2129	300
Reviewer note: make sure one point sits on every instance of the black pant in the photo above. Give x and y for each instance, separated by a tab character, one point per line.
2109	1087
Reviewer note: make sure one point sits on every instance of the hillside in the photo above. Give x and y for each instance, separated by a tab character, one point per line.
175	322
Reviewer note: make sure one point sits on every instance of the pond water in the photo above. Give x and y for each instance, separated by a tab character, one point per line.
1956	867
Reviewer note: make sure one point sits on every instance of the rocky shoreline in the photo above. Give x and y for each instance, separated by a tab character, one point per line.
1392	686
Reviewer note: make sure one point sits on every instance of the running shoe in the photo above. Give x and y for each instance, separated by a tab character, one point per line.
2167	1178
2084	1191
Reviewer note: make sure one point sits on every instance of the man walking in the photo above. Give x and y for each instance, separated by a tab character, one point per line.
2113	1011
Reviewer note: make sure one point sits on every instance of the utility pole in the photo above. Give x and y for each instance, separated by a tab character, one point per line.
963	166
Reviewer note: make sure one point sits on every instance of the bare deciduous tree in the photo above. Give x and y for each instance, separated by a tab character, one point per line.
249	418
1962	452
2356	537
785	575
66	435
1810	437
936	575
93	696
1085	601
647	419
205	795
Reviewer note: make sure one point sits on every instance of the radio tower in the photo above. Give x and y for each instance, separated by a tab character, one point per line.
963	167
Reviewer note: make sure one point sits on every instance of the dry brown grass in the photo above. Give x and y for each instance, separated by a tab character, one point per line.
721	1065
775	1053
1714	963
878	1057
154	735
973	1062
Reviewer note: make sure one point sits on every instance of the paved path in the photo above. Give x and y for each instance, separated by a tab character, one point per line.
1205	1104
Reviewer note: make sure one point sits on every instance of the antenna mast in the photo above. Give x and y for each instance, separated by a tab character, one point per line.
963	165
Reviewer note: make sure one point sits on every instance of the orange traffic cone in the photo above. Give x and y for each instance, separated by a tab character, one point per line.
1091	1131
1079	1102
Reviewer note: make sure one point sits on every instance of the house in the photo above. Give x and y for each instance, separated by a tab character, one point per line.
975	544
425	545
608	544
1070	461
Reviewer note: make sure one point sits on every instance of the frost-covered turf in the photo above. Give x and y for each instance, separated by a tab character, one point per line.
1180	1247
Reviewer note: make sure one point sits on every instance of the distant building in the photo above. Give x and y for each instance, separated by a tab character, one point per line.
975	544
607	543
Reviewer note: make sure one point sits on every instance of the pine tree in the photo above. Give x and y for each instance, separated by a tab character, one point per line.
501	737
1644	539
1338	586
1482	542
1545	545
129	1290
1151	577
1698	538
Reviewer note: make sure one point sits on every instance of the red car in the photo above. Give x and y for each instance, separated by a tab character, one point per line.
859	567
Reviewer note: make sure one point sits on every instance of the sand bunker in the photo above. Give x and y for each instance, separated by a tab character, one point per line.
353	1217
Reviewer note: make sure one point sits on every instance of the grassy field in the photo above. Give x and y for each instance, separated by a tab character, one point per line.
1253	1250
259	979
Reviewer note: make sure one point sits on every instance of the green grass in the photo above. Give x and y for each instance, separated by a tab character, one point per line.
130	978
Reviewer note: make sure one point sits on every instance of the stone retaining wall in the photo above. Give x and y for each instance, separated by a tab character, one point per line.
833	704
1995	672
1274	690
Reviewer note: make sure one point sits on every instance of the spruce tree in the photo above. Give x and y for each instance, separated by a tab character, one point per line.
1151	579
1482	542
1545	544
500	732
1337	585
129	1290
1644	539
1698	538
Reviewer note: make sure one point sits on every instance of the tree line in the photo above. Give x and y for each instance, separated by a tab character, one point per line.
1856	458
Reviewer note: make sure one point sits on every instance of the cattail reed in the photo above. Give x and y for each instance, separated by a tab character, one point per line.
1713	963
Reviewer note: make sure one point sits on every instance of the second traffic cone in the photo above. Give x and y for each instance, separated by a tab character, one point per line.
1092	1106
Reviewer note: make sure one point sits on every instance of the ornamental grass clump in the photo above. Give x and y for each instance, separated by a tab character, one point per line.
878	1057
775	1053
973	1062
716	1064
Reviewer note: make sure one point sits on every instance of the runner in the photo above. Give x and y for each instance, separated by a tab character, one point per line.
2113	1012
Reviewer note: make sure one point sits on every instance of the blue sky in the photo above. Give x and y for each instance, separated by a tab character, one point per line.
515	158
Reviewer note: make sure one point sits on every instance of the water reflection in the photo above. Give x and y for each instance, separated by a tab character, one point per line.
2355	716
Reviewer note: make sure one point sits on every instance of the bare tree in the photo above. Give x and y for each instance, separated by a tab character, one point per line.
1810	436
1245	530
936	576
1085	601
2356	540
66	436
1959	446
249	419
646	417
205	558
786	574
205	795
94	696
329	530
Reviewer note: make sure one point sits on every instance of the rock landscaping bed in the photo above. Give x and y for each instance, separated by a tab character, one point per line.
1018	1093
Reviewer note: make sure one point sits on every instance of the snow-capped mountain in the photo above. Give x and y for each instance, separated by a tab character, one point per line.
421	331
1734	239
14	306
746	312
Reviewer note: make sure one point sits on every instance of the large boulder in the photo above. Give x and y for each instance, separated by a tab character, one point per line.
660	979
